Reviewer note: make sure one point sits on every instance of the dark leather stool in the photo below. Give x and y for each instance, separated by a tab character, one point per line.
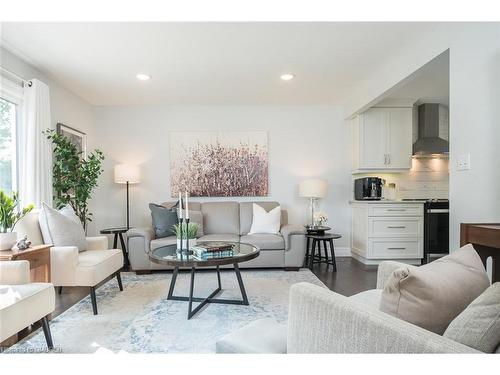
315	255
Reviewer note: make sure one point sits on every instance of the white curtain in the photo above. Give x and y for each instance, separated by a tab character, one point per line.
35	151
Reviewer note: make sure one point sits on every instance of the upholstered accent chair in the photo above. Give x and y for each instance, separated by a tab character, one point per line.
22	302
322	321
69	267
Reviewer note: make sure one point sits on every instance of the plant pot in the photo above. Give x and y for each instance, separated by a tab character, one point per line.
7	240
192	242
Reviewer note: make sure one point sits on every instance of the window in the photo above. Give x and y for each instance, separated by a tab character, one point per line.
8	170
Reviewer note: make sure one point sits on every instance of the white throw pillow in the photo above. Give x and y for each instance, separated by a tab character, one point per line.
62	228
265	222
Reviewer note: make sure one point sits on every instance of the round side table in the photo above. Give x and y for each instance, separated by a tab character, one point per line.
118	233
317	240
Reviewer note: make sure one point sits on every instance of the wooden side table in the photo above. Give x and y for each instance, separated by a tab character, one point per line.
318	239
486	241
39	258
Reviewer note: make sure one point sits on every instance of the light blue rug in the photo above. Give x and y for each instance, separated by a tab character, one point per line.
141	319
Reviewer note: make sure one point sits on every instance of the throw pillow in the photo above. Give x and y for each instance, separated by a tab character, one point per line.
62	227
431	296
478	326
163	220
265	222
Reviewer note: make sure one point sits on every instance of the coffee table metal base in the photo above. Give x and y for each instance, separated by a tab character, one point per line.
210	298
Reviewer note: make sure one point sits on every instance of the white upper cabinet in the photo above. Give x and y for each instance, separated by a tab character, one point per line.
382	139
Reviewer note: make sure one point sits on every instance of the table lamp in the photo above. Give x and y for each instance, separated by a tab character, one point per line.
127	174
312	189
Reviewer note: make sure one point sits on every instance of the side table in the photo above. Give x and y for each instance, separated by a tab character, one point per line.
39	258
118	233
318	239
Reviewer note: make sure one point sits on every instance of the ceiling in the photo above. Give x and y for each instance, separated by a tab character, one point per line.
429	84
209	63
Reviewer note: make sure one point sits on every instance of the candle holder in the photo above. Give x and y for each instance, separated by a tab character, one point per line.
179	248
187	236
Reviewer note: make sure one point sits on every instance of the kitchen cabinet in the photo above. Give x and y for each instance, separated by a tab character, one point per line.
382	140
387	231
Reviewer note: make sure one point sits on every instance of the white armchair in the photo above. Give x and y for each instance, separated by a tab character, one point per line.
68	267
23	303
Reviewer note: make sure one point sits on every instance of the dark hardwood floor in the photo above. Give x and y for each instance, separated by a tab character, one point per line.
351	277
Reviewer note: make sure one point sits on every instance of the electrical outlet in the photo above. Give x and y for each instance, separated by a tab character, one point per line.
463	162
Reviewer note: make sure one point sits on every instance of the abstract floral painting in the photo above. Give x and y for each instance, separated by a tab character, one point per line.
219	164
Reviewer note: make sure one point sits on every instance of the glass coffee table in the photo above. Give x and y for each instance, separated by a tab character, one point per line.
168	255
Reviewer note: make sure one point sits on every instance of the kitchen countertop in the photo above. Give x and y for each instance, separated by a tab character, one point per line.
387	201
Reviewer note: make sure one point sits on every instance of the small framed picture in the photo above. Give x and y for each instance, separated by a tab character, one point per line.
78	138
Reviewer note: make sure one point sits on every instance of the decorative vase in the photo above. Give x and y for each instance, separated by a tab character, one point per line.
192	242
7	240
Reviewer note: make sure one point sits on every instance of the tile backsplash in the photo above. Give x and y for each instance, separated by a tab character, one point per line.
427	178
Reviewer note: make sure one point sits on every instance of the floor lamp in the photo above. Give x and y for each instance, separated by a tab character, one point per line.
312	189
127	174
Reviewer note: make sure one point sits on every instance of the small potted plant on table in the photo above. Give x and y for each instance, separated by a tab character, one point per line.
10	214
189	231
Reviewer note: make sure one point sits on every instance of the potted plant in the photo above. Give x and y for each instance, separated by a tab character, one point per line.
74	177
188	232
9	216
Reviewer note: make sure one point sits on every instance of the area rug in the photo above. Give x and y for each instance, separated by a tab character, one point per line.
141	319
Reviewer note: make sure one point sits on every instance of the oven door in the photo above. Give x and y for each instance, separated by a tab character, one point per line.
436	231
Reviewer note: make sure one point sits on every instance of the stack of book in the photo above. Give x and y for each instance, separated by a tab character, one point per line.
213	250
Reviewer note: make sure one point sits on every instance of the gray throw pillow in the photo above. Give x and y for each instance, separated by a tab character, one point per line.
478	326
163	220
431	296
62	227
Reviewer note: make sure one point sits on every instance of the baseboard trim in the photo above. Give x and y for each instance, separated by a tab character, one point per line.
343	252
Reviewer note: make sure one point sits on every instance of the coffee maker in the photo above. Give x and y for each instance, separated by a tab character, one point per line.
368	188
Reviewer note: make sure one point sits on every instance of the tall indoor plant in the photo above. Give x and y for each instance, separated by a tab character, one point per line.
74	178
10	214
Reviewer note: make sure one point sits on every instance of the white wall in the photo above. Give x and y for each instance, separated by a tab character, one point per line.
303	142
66	107
474	111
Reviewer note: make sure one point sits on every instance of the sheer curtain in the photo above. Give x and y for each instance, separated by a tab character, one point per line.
35	151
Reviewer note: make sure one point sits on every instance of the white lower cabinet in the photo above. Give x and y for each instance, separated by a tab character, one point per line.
382	231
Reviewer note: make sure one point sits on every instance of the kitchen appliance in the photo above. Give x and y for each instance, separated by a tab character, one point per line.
429	142
436	228
368	188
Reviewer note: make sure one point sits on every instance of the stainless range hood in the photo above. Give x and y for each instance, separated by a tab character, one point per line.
429	143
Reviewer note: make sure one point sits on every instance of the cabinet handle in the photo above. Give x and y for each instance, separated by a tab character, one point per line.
396	209
388	158
396	227
385	159
396	248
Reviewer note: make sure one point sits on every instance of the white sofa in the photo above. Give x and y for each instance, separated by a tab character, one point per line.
68	267
22	302
322	321
228	221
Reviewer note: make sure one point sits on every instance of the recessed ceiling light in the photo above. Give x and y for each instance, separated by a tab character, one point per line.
143	76
287	76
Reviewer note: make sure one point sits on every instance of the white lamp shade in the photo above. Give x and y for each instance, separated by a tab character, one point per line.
127	173
313	188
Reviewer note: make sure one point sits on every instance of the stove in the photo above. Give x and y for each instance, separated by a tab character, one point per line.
436	227
432	200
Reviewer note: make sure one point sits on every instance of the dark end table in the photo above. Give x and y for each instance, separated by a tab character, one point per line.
317	240
118	233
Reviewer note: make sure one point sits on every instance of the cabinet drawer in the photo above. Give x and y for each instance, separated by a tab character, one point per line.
395	226
392	248
396	210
